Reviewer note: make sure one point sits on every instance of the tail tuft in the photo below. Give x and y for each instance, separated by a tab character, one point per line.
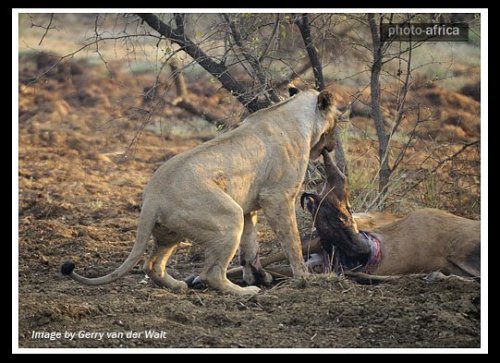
67	268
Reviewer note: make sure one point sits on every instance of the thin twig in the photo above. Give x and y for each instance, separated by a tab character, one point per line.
46	29
271	38
449	158
251	59
248	99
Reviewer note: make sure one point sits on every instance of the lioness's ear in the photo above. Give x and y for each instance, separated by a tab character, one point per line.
325	100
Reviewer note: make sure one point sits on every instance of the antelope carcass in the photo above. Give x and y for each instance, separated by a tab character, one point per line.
424	241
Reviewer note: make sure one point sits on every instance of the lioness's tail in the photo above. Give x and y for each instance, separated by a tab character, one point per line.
147	220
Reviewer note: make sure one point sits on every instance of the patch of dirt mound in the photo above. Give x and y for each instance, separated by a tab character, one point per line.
50	66
472	90
442	114
442	98
454	116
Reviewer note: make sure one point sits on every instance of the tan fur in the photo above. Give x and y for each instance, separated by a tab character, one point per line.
210	193
429	240
371	220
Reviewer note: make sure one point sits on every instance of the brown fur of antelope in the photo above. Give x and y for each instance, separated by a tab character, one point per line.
424	241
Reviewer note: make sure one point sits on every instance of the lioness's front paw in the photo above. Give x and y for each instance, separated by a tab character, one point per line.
301	282
301	272
180	286
247	291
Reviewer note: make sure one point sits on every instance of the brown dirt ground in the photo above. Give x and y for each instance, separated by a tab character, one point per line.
79	197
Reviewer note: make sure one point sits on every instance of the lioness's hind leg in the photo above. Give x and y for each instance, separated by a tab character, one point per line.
214	273
161	236
166	243
159	273
150	260
221	245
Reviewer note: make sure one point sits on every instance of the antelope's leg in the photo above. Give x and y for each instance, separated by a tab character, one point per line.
308	247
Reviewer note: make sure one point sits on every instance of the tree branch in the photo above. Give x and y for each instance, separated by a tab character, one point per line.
251	59
442	162
402	154
401	111
179	22
383	138
46	29
218	70
271	38
302	23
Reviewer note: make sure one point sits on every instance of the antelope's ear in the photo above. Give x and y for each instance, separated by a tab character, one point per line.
311	202
325	100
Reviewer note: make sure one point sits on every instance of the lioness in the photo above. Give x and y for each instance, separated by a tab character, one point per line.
211	193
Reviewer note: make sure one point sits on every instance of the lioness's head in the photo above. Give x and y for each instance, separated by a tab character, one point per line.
326	109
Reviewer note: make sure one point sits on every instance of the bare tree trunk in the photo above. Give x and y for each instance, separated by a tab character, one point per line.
383	136
302	23
180	83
